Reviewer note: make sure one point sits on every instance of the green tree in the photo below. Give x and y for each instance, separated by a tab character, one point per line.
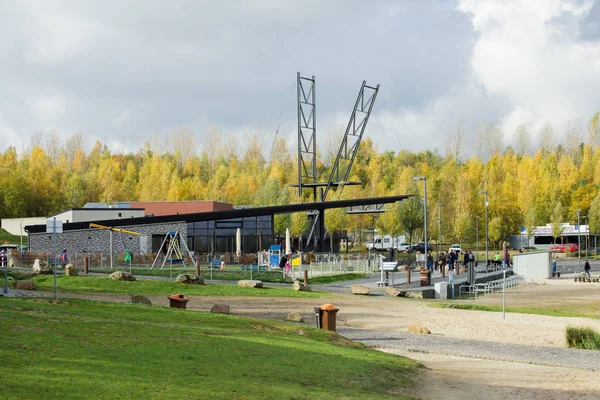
410	216
299	225
557	220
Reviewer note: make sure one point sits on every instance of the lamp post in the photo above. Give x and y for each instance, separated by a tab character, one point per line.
440	205
579	239
424	179
477	236
486	225
587	232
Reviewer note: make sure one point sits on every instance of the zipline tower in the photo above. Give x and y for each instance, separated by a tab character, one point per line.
307	148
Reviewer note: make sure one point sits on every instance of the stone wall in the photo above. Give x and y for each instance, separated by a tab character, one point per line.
98	240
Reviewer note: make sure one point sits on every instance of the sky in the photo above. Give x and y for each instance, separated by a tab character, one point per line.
123	72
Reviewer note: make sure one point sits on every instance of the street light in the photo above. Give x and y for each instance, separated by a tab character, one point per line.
579	239
424	179
477	235
440	205
587	233
486	224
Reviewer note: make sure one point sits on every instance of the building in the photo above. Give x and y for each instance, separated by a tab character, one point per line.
206	232
542	236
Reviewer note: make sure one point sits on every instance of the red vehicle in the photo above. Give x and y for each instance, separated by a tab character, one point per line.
567	247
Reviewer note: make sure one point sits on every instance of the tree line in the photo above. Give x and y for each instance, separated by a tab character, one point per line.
524	188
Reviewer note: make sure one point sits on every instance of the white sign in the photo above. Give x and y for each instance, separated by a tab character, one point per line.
389	266
143	244
54	226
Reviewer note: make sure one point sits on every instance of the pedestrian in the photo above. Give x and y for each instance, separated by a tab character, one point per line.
553	268
127	259
288	266
391	253
430	262
64	258
586	268
466	259
282	262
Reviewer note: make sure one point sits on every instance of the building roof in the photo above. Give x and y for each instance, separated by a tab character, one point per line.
229	214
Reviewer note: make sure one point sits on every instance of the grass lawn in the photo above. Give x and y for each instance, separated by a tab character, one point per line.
67	349
96	284
233	273
552	312
7	238
332	279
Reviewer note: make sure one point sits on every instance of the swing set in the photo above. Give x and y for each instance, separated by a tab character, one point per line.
111	230
174	243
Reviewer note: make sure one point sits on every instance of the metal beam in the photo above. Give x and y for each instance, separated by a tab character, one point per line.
307	134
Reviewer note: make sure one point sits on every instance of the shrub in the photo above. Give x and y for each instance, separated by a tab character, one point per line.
583	338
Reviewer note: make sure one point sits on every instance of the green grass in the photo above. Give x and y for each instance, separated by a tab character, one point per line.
80	349
331	279
7	238
93	284
582	338
226	275
552	312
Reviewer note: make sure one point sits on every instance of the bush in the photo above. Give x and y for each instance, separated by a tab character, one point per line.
583	338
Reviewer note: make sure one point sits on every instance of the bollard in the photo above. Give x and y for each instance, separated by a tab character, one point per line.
86	263
178	301
306	277
407	275
318	315
328	313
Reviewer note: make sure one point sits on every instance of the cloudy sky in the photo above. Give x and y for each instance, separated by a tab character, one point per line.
122	71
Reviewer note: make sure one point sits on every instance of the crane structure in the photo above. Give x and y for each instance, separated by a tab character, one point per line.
307	148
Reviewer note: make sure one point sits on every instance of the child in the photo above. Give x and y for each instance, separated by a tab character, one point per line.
288	266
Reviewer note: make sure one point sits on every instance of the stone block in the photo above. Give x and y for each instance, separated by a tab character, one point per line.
294	316
71	270
220	309
189	279
300	286
417	327
361	289
251	283
137	299
24	285
121	276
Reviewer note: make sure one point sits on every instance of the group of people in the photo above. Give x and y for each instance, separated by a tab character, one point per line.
449	260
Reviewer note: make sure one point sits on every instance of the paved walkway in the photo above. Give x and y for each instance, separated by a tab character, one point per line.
571	358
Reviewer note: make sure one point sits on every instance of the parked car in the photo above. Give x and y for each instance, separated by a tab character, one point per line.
421	247
563	248
404	247
456	248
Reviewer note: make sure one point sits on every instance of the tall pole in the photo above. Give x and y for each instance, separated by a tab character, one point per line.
424	179
54	256
579	239
477	236
440	205
486	225
111	249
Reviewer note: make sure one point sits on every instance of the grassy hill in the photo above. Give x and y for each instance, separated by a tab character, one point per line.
82	349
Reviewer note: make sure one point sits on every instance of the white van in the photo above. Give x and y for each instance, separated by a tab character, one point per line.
381	243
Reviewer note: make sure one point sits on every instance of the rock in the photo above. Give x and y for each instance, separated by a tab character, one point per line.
41	267
417	327
121	276
300	286
250	283
190	278
24	285
294	316
395	292
14	263
402	267
71	270
360	289
137	299
220	309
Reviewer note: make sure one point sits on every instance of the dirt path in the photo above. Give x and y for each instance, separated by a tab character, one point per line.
447	376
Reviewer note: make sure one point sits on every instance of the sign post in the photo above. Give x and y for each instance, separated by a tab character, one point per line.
4	262
54	226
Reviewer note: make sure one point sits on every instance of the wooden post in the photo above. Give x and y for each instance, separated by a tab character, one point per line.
306	277
408	275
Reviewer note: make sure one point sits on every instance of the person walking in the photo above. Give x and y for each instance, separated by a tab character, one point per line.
429	262
586	268
64	258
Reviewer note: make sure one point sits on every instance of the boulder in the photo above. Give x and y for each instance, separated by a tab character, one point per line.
294	316
220	309
402	267
137	299
297	285
190	278
417	327
250	283
24	285
121	276
71	270
392	291
41	267
360	289
14	263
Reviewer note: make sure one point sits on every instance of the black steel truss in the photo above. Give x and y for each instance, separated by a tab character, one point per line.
307	135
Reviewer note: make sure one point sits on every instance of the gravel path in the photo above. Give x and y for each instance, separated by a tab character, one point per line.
571	358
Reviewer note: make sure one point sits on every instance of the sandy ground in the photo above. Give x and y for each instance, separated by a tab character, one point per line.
450	377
